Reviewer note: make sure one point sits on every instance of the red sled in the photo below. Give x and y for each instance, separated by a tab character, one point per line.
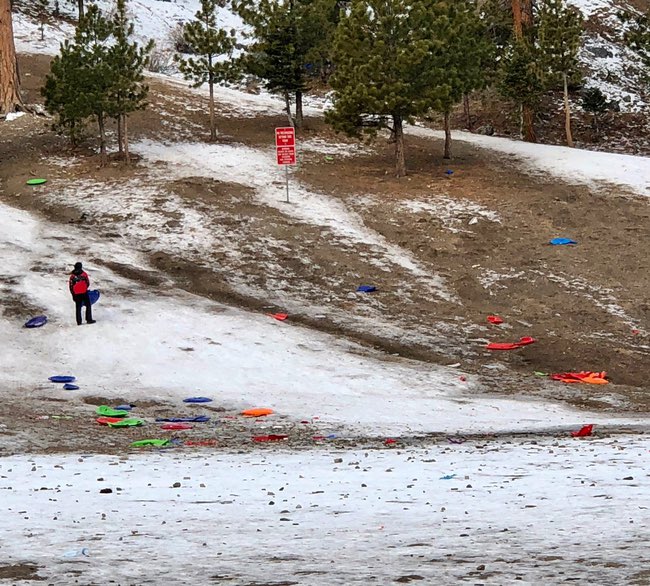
511	345
585	430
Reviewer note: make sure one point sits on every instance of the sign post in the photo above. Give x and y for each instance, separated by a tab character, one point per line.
285	150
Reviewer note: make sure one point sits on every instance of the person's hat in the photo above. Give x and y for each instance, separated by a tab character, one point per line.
77	266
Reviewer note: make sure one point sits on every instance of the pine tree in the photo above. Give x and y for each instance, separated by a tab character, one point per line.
523	46
80	79
520	79
127	61
466	57
93	37
596	103
10	99
42	8
385	74
210	44
496	16
559	33
511	25
288	37
63	92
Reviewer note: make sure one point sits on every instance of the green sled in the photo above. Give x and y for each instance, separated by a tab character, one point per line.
106	411
158	443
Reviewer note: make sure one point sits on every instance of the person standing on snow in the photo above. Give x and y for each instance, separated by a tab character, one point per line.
79	284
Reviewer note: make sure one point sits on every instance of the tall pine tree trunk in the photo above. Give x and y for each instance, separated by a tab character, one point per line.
213	124
400	162
468	115
516	19
80	8
299	116
522	17
529	111
287	109
102	138
127	154
447	154
120	148
567	112
527	121
10	99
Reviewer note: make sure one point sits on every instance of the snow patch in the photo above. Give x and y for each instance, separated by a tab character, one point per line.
591	7
569	164
492	279
453	213
340	149
11	116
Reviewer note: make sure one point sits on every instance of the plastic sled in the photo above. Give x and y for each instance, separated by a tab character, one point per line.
94	296
106	411
256	412
562	241
156	443
107	420
279	316
62	379
36	322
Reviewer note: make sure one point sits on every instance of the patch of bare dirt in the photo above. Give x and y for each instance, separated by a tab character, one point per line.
28	572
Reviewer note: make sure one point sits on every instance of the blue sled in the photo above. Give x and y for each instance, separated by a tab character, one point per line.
94	296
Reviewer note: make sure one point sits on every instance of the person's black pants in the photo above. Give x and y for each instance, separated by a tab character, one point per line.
79	300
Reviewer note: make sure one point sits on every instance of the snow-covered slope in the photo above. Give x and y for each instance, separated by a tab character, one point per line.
152	19
609	65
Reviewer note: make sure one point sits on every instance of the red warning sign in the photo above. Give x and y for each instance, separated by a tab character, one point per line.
285	145
285	136
286	155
